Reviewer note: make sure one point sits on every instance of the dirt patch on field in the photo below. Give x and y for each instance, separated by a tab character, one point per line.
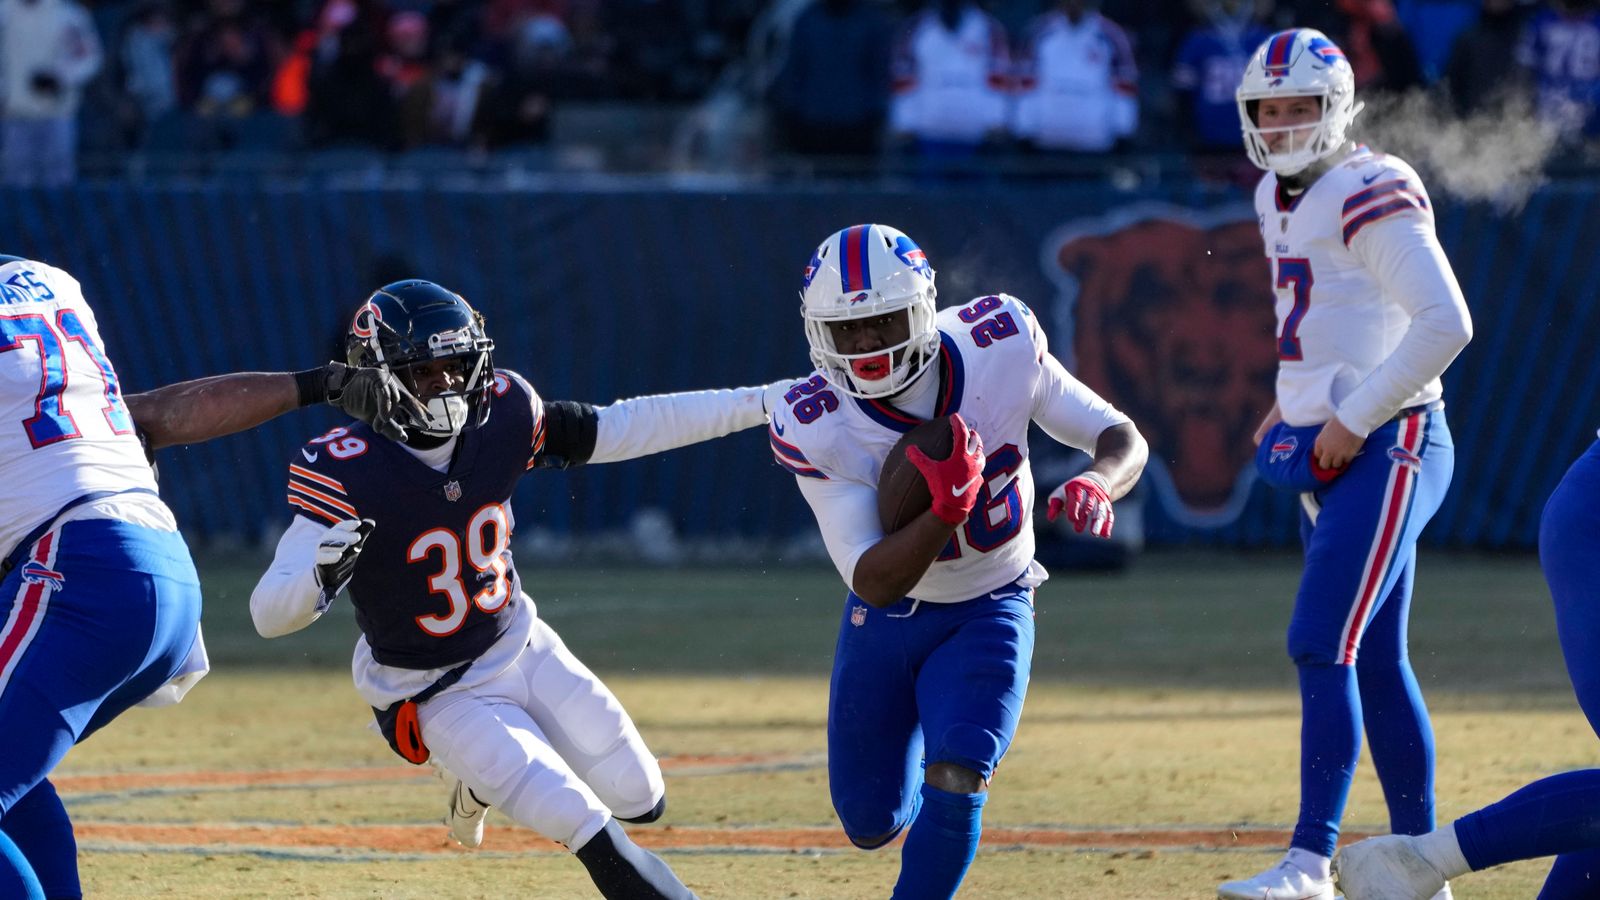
345	841
415	839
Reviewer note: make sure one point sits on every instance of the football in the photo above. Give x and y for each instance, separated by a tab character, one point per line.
902	491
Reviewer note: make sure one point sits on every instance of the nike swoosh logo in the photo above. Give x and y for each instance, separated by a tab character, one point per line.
958	491
778	427
1371	178
310	457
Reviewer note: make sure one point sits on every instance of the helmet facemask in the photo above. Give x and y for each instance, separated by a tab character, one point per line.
446	413
864	272
427	325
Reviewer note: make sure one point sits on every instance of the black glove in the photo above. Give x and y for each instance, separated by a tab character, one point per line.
369	394
336	555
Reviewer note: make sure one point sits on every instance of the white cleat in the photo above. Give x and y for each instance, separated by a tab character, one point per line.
465	817
1388	868
1284	881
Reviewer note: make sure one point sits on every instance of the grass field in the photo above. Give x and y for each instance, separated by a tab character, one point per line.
1157	755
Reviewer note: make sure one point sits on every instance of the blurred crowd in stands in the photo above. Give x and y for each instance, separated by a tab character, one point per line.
869	79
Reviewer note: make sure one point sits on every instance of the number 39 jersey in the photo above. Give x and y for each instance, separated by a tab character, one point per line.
1335	323
64	429
994	368
434	584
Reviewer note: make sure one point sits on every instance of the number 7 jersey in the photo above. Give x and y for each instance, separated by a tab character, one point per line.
994	368
64	429
1336	325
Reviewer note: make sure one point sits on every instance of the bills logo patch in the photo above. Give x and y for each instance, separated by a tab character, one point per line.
858	616
1284	449
912	255
35	572
1405	457
811	270
452	491
859	298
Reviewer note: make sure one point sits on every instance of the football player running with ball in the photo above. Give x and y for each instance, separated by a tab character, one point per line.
936	632
1369	315
452	657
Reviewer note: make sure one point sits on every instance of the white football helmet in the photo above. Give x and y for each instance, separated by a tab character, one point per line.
865	271
1300	62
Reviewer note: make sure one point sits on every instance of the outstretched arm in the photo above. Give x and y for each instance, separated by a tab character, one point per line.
578	433
192	412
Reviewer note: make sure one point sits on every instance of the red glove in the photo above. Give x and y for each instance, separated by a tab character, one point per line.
954	482
1086	503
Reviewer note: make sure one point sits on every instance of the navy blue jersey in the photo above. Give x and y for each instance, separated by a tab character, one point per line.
434	585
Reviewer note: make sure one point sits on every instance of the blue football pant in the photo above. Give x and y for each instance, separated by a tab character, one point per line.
924	683
1559	815
1347	635
101	615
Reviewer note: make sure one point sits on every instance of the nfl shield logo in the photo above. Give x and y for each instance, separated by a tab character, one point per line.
452	491
858	616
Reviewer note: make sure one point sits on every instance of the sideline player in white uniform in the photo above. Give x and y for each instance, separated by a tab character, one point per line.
453	657
936	637
1369	316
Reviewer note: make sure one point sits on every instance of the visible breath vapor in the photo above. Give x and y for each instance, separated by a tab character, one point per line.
1498	154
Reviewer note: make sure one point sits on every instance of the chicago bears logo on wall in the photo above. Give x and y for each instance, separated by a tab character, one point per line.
1170	317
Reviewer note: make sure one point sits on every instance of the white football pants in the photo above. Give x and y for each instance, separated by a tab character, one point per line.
547	743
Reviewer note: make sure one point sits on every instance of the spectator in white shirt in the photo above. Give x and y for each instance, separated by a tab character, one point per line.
48	52
951	79
1077	83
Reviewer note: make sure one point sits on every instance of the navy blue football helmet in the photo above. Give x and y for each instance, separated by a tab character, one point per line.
414	321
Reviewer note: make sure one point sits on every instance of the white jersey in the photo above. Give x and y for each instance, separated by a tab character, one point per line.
64	430
995	369
950	84
1369	313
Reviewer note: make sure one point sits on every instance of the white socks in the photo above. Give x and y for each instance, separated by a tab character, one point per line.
1442	849
1313	864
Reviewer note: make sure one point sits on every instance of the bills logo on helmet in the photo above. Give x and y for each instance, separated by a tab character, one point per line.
366	321
1284	449
912	255
35	572
1326	50
811	270
1164	308
859	298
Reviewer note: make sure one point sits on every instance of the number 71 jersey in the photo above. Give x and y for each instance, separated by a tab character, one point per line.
64	429
1335	325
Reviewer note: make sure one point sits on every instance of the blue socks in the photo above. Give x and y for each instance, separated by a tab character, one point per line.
1400	736
1554	815
16	876
38	826
1330	745
940	845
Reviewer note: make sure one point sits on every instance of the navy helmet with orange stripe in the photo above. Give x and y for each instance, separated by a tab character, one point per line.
1300	62
861	272
412	322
